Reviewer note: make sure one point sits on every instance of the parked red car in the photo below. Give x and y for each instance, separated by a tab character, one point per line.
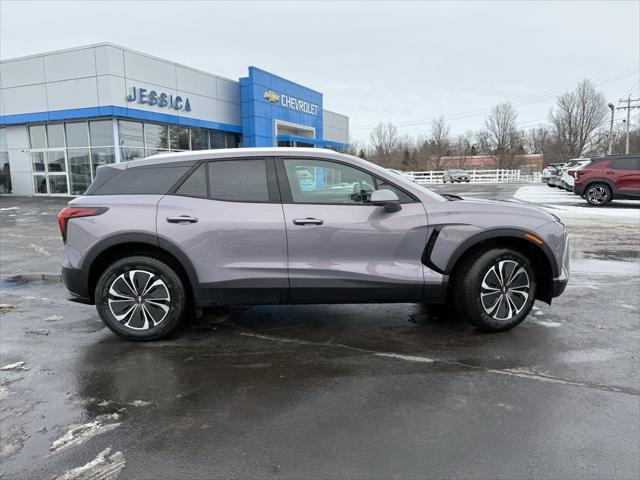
608	178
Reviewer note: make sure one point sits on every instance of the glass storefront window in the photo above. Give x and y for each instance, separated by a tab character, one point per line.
217	139
233	140
130	134
5	170
156	137
55	161
77	134
79	170
37	161
127	154
101	133
178	138
199	139
102	156
40	184
37	136
55	135
58	184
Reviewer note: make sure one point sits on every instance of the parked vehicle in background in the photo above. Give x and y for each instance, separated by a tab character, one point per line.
608	178
455	176
152	237
550	174
568	180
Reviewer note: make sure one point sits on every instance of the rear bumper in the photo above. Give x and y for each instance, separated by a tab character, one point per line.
76	283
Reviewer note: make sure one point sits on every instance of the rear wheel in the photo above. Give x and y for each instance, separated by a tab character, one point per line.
598	194
495	289
140	298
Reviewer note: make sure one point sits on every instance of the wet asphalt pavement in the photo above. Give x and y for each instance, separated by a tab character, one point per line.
344	391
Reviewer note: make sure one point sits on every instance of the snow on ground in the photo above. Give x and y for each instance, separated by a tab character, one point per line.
567	205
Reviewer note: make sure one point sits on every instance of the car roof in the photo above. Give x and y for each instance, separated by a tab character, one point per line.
172	157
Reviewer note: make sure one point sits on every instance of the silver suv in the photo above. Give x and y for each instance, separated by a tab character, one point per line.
151	239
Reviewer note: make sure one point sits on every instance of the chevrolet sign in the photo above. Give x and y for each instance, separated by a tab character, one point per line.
291	102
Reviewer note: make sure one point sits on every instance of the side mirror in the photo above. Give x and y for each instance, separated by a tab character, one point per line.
387	199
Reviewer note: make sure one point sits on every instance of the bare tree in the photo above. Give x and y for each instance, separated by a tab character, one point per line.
439	143
385	142
462	149
537	139
503	136
575	119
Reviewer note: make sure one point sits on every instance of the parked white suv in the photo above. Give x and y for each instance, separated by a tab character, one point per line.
575	164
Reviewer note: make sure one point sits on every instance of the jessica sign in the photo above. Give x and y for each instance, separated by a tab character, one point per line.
162	100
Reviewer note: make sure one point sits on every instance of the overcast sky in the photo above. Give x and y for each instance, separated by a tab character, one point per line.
407	62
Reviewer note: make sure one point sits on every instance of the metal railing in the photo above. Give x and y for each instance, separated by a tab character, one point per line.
477	176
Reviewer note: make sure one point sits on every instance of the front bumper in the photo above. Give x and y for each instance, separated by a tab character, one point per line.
558	286
76	282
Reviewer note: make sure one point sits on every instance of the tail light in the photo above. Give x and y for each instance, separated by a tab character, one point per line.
75	212
572	173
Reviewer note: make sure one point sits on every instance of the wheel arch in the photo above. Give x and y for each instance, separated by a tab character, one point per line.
541	257
116	247
606	181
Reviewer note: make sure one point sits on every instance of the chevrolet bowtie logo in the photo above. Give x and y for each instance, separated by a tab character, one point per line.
271	96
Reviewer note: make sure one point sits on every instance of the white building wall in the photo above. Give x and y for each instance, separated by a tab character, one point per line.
104	74
336	126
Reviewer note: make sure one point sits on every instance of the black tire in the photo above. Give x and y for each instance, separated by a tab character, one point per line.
169	293
468	286
598	194
468	181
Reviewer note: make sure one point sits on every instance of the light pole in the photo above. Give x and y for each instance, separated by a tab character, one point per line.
613	109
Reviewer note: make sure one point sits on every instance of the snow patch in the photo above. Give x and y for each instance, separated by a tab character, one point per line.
409	358
78	434
6	209
548	324
103	467
14	366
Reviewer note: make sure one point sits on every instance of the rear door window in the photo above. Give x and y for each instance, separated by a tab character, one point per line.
195	185
624	164
239	180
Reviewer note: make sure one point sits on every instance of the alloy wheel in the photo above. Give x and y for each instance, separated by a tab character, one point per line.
139	299
505	289
597	195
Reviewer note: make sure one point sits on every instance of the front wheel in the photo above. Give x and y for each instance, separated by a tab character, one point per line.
495	289
598	194
140	298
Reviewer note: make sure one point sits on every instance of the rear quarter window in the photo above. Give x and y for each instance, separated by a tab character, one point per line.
151	180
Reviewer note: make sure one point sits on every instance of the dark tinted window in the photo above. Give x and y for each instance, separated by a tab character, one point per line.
195	185
154	180
239	180
624	164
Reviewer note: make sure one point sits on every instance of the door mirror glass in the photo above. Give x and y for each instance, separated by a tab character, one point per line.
387	199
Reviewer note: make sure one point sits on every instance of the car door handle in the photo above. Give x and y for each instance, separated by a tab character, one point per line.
307	221
609	172
182	219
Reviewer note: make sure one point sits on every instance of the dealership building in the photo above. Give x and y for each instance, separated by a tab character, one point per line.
64	113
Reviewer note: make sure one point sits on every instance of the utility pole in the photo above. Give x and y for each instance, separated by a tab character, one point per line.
628	109
613	109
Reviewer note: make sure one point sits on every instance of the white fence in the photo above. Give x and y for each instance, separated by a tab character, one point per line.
477	176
